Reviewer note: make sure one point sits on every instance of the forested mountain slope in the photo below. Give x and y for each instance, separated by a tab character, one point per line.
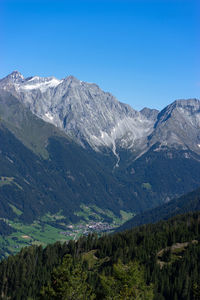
35	186
43	170
181	205
165	257
69	146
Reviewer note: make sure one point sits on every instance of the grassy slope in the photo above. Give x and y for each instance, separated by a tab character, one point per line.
52	227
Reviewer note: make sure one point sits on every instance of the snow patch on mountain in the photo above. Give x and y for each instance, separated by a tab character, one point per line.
82	110
38	83
97	119
49	117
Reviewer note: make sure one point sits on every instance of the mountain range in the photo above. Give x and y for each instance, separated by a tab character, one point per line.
95	118
65	143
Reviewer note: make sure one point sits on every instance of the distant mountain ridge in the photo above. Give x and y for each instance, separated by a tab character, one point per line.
43	170
178	125
81	109
68	144
151	152
184	204
96	119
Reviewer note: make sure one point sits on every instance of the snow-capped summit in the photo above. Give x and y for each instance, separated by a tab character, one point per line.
97	119
85	112
41	83
18	82
14	77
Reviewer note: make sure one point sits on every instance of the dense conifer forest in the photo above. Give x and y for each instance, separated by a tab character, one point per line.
157	261
181	205
99	150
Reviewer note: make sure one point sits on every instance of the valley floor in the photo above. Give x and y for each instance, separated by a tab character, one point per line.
51	228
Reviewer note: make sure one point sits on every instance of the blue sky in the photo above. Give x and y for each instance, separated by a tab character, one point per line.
145	52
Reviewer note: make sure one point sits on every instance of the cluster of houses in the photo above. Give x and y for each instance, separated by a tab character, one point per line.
85	229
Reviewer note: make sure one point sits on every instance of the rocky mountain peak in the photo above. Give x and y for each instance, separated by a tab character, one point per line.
72	78
193	102
85	112
178	125
150	113
186	108
14	77
97	119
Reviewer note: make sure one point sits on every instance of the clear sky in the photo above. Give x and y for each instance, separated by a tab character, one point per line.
145	52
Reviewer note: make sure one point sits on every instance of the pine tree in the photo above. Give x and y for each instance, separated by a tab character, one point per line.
126	283
69	282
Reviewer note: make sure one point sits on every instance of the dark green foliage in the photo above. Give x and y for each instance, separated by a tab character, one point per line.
24	274
177	278
166	257
181	205
51	172
45	171
69	282
167	172
127	282
67	179
5	229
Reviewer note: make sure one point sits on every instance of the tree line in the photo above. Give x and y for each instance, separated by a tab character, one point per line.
157	261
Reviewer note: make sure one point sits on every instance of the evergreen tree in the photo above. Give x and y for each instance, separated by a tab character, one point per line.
68	282
126	283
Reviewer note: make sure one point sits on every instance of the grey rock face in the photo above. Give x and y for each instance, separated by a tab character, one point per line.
97	119
178	125
14	77
150	113
82	110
